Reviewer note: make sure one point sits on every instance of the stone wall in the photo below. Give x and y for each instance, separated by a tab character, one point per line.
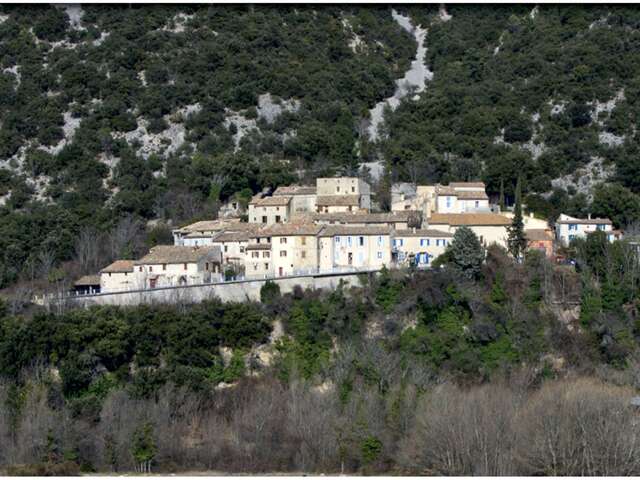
233	291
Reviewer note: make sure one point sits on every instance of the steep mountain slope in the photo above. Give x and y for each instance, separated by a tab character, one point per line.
161	112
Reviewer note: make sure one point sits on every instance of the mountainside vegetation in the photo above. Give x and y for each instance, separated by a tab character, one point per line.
162	112
436	372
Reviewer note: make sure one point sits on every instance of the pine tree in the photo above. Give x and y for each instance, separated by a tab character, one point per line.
501	201
516	240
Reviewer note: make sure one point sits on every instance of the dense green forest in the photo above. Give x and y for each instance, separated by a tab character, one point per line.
112	114
487	367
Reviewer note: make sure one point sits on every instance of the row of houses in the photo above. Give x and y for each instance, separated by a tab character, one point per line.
300	230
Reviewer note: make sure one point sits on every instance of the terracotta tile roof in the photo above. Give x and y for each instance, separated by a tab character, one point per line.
538	235
428	232
338	200
87	280
178	254
385	217
471	195
277	201
467	185
119	266
333	230
290	229
295	190
469	219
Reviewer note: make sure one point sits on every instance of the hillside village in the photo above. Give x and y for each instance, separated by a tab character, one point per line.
330	228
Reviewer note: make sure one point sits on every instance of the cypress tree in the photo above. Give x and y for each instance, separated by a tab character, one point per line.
501	201
516	240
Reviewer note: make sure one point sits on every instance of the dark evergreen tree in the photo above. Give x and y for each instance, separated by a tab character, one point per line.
466	253
516	240
501	201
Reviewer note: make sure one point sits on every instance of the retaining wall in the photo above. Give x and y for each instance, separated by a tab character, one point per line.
233	291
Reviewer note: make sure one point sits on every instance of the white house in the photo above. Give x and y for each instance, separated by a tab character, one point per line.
489	227
462	197
569	228
345	248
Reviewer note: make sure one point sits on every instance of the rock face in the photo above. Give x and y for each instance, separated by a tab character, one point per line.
414	80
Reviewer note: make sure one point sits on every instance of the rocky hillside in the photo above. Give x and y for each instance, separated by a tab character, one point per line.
162	112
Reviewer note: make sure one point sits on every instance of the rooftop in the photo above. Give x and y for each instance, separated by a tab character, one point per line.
177	254
87	280
385	217
277	201
538	235
290	229
564	219
338	200
232	237
467	195
469	219
212	225
428	232
467	185
295	190
119	266
258	246
333	230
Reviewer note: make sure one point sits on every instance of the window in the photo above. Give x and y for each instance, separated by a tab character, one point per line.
264	219
437	242
283	253
164	267
600	227
337	189
140	268
241	249
349	241
255	267
424	241
150	268
573	226
110	273
572	237
361	241
206	266
337	239
379	254
277	218
353	189
226	249
266	266
266	254
477	203
448	202
283	240
185	266
380	241
255	254
303	240
303	254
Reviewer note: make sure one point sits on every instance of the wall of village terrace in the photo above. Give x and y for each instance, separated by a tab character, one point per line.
232	291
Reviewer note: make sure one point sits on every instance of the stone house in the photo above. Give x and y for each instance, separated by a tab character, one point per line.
303	198
342	194
489	227
540	239
270	210
170	265
294	248
419	246
118	276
